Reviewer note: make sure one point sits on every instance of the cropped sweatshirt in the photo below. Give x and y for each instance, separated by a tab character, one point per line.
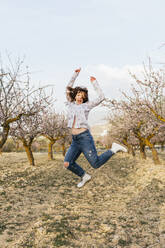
80	112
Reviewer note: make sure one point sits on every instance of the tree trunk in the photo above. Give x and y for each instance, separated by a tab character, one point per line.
63	149
162	146
29	153
50	149
131	150
4	136
155	156
130	147
142	151
154	153
17	145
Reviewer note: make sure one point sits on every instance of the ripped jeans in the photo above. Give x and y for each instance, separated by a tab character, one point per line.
84	143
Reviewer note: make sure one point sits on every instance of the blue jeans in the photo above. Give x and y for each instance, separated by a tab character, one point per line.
84	143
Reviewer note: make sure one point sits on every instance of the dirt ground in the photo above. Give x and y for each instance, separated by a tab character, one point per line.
41	207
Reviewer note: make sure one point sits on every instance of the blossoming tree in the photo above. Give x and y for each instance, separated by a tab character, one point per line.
27	129
16	96
54	127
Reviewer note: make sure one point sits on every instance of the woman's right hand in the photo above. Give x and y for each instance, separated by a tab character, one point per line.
92	79
78	70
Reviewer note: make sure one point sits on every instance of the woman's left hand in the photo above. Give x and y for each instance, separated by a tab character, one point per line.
78	70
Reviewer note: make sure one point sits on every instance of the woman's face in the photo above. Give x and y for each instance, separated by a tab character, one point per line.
80	97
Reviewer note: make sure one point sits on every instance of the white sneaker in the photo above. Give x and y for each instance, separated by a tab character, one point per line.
116	148
85	179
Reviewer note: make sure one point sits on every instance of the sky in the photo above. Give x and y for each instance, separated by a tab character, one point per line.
106	38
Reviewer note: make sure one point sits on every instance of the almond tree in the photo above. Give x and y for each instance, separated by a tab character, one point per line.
120	130
144	108
15	96
28	128
121	126
152	89
139	120
145	125
54	127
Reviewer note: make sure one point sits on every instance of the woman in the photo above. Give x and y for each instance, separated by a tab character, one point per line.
82	141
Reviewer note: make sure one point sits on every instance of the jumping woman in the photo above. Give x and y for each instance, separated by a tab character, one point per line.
82	141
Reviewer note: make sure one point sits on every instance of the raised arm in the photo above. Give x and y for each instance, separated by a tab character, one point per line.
71	82
100	98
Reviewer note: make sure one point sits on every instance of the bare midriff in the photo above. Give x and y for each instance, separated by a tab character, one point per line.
76	131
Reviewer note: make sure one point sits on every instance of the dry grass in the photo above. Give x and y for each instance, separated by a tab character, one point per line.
41	207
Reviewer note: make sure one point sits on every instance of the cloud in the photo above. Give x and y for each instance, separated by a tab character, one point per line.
114	79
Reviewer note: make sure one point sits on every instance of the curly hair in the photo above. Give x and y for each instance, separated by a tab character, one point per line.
72	92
